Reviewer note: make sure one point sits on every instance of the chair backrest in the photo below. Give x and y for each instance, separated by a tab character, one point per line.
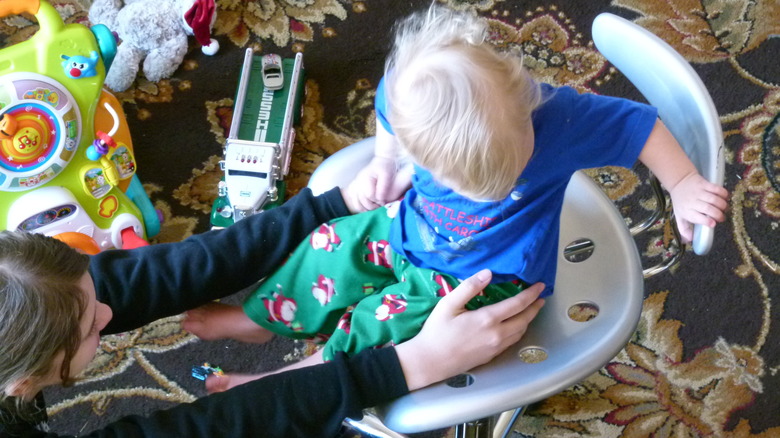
608	283
669	83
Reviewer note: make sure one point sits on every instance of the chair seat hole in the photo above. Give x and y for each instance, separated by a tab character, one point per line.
532	355
583	312
460	381
579	250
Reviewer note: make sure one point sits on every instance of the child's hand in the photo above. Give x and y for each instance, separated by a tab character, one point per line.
697	201
376	184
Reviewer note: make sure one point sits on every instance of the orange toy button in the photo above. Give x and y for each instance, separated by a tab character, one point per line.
7	126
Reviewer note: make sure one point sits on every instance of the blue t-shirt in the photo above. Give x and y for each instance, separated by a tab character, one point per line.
518	237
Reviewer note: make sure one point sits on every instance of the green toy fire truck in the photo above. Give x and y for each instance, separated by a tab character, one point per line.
259	145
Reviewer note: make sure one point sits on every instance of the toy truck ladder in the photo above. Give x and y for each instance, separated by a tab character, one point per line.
259	145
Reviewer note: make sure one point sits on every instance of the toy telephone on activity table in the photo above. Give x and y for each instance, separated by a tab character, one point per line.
66	161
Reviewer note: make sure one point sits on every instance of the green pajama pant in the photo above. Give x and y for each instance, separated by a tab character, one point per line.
345	287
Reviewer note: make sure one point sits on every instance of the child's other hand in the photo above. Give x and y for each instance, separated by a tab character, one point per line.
375	185
698	201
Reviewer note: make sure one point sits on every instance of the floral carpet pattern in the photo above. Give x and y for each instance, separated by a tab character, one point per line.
705	359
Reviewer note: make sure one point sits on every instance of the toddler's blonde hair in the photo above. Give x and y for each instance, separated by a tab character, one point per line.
457	106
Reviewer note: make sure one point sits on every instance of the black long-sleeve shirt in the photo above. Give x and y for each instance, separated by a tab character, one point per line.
149	283
145	284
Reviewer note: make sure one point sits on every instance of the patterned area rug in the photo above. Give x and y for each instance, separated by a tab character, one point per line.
705	357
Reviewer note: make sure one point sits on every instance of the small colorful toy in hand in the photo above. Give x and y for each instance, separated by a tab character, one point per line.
154	32
205	370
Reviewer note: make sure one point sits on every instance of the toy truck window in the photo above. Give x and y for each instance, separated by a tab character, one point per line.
273	78
262	175
273	73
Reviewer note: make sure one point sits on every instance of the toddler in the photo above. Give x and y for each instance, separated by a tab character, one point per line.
491	153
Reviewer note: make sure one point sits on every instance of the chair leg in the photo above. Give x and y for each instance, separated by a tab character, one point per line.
662	211
475	429
660	208
505	421
371	426
492	427
668	217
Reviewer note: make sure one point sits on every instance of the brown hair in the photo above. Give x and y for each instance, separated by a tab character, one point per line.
41	305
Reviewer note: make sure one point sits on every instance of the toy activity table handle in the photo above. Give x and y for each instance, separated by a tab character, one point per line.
15	7
79	241
48	18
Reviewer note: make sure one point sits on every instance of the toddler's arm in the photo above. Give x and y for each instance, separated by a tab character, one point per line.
695	200
384	179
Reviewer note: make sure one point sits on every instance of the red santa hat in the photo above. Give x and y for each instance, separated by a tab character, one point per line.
199	18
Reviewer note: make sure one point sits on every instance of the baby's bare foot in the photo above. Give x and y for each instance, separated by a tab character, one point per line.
222	321
226	381
223	382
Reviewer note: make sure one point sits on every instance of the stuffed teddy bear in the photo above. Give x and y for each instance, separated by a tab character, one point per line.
155	32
